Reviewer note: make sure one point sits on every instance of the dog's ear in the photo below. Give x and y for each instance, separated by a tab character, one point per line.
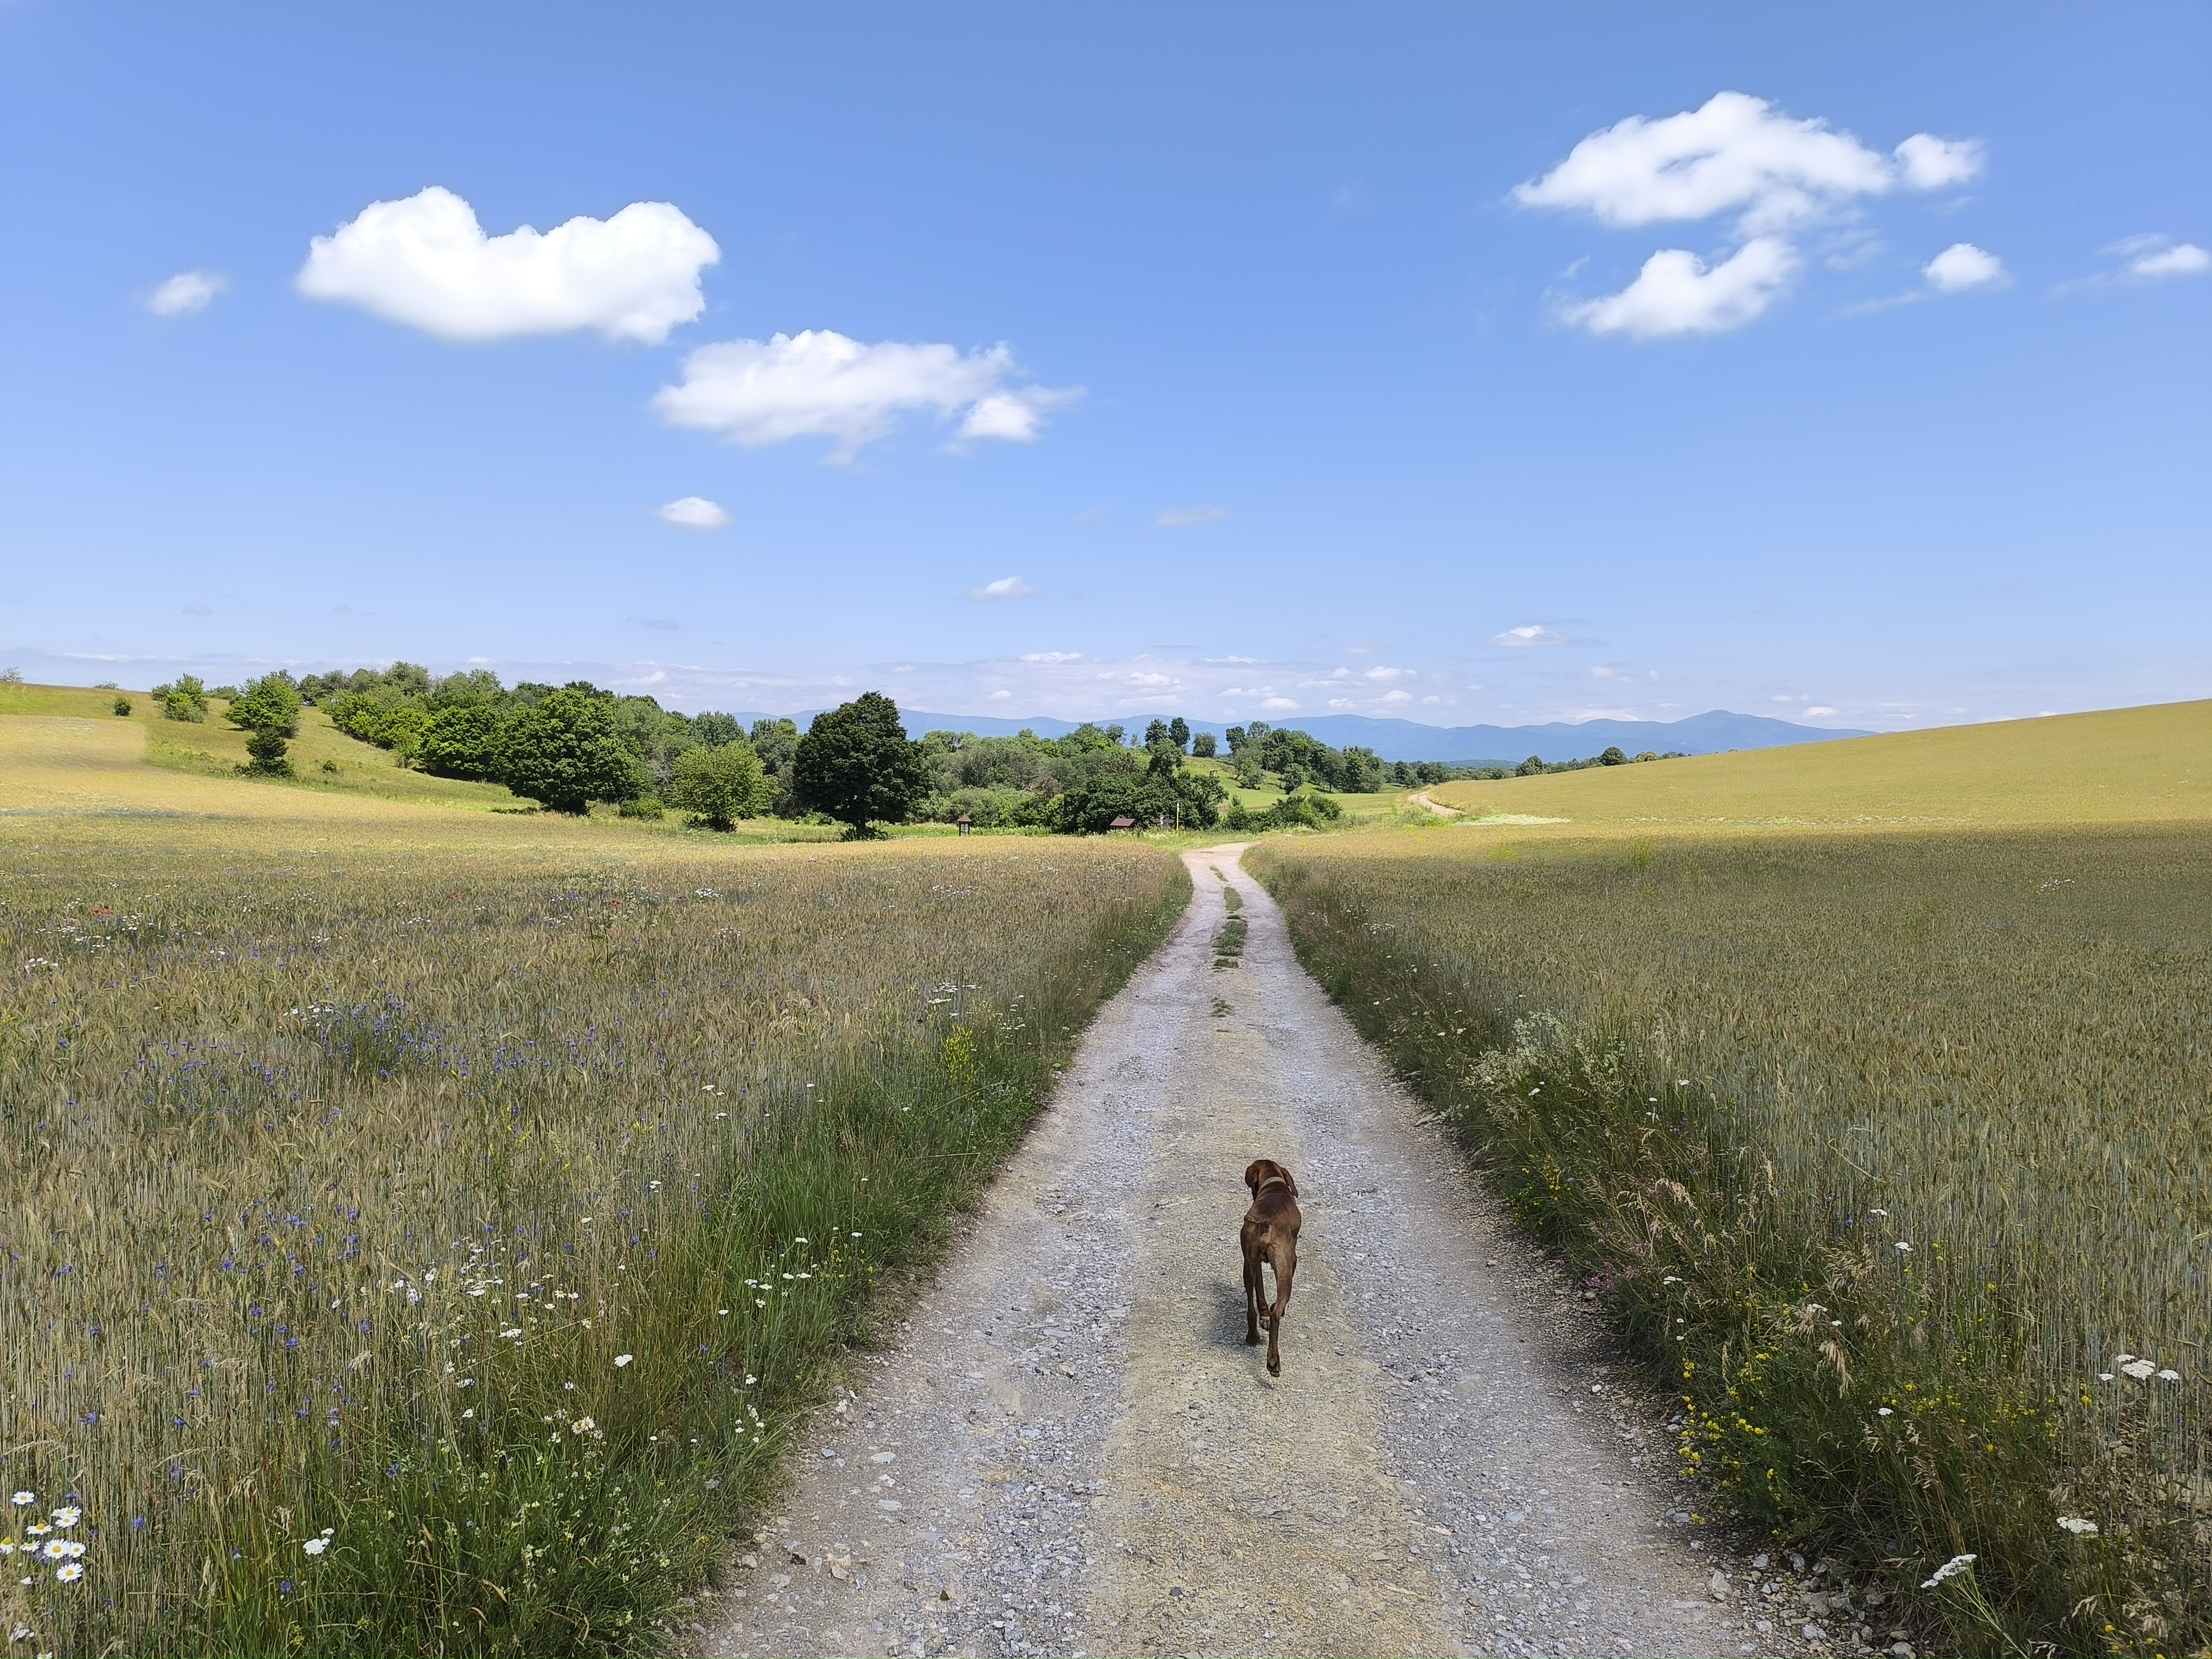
1290	1185
1256	1172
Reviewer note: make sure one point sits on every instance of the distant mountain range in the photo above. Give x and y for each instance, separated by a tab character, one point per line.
1712	733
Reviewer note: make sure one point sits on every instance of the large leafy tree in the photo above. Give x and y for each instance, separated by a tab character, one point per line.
857	765
463	741
566	751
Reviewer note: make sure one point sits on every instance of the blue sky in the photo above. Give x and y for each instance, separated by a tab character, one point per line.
1145	359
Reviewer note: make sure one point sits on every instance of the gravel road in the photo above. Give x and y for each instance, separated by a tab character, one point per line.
1071	1449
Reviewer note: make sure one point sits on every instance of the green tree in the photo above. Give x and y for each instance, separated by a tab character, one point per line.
713	730
1613	757
1202	746
271	703
1179	731
463	741
720	785
186	700
566	752
265	753
856	764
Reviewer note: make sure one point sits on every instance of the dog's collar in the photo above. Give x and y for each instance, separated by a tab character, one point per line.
1272	1180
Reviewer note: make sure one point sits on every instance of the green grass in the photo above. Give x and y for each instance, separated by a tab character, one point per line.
491	1192
1727	1070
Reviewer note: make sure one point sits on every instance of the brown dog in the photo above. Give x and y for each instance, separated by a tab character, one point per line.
1270	1237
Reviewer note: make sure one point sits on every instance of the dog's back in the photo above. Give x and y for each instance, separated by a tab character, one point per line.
1269	1239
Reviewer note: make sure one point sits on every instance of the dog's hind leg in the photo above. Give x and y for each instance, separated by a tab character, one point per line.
1286	1266
1253	1298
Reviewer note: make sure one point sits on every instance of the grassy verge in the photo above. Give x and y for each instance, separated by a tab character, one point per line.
420	1250
1887	1150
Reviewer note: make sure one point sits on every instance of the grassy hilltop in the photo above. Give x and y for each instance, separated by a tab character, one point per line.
2118	766
1868	1085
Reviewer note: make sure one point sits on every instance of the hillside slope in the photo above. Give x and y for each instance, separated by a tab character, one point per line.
2118	766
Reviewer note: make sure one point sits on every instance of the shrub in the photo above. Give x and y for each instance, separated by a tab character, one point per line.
123	706
721	785
644	806
1202	746
186	700
267	748
271	703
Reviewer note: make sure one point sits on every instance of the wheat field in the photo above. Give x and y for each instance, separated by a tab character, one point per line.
1887	1143
421	1225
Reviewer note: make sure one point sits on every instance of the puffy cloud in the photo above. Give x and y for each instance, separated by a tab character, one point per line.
1006	587
1278	703
1677	293
426	262
1182	518
1819	710
820	384
1734	155
695	512
1736	152
1962	266
186	292
1932	163
1519	638
1052	656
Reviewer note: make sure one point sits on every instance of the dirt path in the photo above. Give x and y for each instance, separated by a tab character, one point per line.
1073	1451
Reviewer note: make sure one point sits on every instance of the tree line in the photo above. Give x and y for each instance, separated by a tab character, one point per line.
568	746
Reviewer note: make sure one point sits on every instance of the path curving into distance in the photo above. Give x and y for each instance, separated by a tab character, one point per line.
1072	1450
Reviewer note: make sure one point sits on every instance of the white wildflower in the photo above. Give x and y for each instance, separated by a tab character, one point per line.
1881	1411
316	1546
68	1516
583	1425
70	1572
1903	1248
2077	1526
2141	1369
22	1498
2169	1375
623	1359
1951	1569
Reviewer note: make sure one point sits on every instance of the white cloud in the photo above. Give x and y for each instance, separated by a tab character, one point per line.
1388	674
2152	258
1962	266
1182	518
1006	587
819	384
1527	635
1932	163
1819	708
186	292
1736	152
1734	155
1397	696
1277	703
695	513
1002	695
2183	259
426	262
1676	292
1052	656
